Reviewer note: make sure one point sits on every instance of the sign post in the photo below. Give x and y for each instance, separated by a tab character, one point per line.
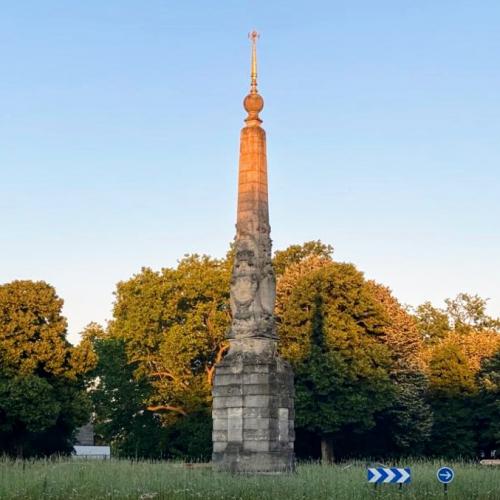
445	475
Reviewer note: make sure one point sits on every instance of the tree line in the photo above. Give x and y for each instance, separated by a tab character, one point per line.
372	378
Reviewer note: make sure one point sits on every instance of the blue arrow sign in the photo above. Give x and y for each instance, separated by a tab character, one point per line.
394	475
445	475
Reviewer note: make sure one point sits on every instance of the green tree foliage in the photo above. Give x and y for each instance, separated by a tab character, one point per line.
170	329
452	391
190	437
488	413
341	365
400	331
371	379
457	340
173	324
464	314
30	400
294	254
122	420
367	372
42	396
468	313
433	323
406	425
404	428
118	396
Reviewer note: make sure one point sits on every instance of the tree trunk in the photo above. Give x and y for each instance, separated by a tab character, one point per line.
326	450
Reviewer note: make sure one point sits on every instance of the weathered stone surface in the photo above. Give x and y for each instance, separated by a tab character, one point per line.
228	379
256	378
219	413
257	462
220	435
260	413
229	369
219	446
257	390
257	368
261	425
257	401
251	445
219	424
260	434
228	390
253	393
227	402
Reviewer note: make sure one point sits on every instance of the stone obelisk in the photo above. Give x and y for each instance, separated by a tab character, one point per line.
253	394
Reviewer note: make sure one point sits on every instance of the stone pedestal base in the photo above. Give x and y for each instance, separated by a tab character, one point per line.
253	415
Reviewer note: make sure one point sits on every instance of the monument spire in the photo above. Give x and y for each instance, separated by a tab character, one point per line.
253	396
252	226
253	102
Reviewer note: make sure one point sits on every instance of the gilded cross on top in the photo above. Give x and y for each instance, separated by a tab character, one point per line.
254	36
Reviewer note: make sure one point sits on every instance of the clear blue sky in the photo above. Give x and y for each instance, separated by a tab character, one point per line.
119	129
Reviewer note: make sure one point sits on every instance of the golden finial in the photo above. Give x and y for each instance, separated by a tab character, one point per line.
254	36
253	102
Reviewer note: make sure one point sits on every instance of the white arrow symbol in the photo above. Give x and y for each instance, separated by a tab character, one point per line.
376	475
390	476
405	476
446	474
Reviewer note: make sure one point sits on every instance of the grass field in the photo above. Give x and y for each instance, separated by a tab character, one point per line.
65	479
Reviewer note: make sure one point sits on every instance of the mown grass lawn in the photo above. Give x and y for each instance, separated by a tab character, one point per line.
66	479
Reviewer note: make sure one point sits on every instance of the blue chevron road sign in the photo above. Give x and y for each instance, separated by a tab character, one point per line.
394	475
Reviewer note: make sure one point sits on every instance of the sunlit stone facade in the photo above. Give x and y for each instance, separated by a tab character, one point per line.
253	394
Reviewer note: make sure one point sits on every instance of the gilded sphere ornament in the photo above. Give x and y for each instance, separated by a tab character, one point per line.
253	103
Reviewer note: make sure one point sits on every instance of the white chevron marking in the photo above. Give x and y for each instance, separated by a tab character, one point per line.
376	475
404	477
390	476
